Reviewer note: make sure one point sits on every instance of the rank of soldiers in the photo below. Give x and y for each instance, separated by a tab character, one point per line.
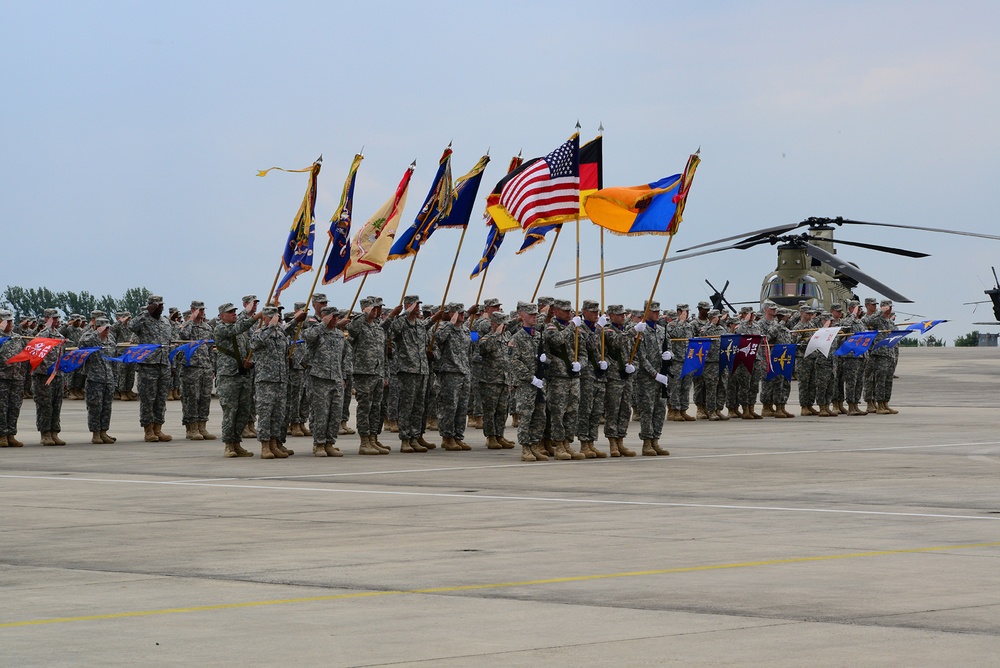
557	374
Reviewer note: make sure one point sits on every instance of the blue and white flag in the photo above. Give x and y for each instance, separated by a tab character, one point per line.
74	359
782	361
892	338
856	343
136	353
4	339
728	345
188	350
924	326
694	358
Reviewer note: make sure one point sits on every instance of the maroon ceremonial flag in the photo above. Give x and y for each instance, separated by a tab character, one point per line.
746	353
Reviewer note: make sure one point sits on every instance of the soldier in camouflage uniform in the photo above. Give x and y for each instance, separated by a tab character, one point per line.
11	382
680	332
176	322
652	351
562	377
410	337
100	389
233	377
368	338
871	308
481	325
774	393
805	367
837	316
713	381
49	396
883	359
298	376
525	347
196	377
593	379
270	354
451	343
494	380
618	391
327	355
250	430
699	324
124	373
852	366
766	323
154	370
747	383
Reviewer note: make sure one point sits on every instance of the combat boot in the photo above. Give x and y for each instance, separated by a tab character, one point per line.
279	450
585	450
806	411
246	433
3	442
734	412
647	448
203	430
701	413
568	445
319	450
382	447
746	413
767	411
779	411
281	446
824	411
265	451
539	452
191	433
852	409
105	437
492	443
295	429
160	436
394	426
840	408
670	414
613	442
132	396
415	444
892	411
13	442
624	450
477	422
240	452
527	455
332	450
432	424
95	438
514	422
149	436
753	414
367	446
230	451
305	430
657	449
685	417
560	452
507	445
425	443
462	444
117	396
450	444
47	438
636	417
404	446
871	406
722	416
344	430
600	454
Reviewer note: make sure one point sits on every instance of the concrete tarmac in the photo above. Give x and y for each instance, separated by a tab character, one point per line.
844	541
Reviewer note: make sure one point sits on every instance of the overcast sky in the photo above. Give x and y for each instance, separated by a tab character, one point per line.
132	133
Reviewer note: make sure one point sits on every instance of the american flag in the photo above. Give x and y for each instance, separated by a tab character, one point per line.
547	190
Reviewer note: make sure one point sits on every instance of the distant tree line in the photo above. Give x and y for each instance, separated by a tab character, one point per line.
33	301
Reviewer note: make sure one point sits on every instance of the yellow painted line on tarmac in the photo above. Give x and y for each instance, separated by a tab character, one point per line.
494	585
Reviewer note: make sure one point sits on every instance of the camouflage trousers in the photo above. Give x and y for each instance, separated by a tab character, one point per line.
11	396
154	383
392	397
411	396
298	396
562	397
345	414
882	368
234	396
453	401
617	406
368	392
714	384
530	414
775	391
125	377
680	388
591	408
652	407
77	380
852	372
48	402
494	398
325	407
699	387
823	380
805	372
869	378
100	396
196	394
475	392
747	384
272	410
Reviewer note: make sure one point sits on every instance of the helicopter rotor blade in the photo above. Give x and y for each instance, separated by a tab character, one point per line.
875	247
752	236
839	221
855	273
641	265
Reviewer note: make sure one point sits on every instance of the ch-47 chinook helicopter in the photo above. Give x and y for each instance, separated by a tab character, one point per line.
808	268
994	295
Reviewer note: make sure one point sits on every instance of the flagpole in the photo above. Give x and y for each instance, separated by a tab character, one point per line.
357	294
546	265
482	282
447	286
408	274
645	313
602	290
576	310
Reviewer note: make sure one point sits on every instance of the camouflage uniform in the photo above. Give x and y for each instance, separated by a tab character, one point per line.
525	346
327	357
124	373
593	379
700	324
233	380
494	378
852	367
270	354
650	393
154	370
680	334
618	392
410	340
748	384
11	384
775	392
452	343
562	384
714	382
100	389
298	376
48	397
882	360
805	367
196	378
369	368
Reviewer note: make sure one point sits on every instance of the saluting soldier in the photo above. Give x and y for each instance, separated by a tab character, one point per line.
620	374
494	374
154	370
529	387
11	382
233	377
270	352
100	388
714	381
651	353
852	366
562	377
196	378
410	337
451	343
328	355
883	359
368	339
805	367
49	396
593	379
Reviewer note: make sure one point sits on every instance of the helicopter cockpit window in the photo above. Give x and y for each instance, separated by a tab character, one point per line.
806	287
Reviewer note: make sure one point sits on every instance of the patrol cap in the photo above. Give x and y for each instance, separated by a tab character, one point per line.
854	302
769	304
652	306
808	309
704	304
683	307
432	308
250	298
870	300
492	301
123	314
803	307
410	299
101	322
50	313
886	302
669	313
590	305
375	301
6	315
784	311
561	304
714	313
615	309
287	317
75	316
173	309
319	298
98	314
154	299
228	307
365	302
545	301
329	310
498	317
453	307
836	307
269	311
186	314
746	309
197	304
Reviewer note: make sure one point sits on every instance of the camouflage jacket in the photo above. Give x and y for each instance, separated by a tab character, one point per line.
883	326
524	348
53	356
270	354
99	369
715	332
452	343
368	340
617	349
650	352
154	330
558	343
203	356
680	334
233	345
8	349
409	345
493	350
327	352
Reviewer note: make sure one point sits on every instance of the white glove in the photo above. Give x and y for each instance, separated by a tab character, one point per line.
577	321
537	382
603	321
576	367
629	368
666	356
543	359
603	365
660	378
640	327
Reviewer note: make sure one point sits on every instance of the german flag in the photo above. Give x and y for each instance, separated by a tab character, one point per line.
591	167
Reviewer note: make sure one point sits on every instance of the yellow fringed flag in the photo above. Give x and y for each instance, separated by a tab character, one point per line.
370	248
